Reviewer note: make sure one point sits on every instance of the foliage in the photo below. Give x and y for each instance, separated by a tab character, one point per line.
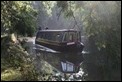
18	16
16	58
11	75
101	21
104	37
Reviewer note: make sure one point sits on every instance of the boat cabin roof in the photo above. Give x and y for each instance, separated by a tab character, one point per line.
62	30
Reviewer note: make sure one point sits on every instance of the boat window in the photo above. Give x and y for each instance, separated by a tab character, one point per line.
65	37
42	35
53	36
48	35
70	36
58	37
79	36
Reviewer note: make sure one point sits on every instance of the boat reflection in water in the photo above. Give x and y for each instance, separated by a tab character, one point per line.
60	48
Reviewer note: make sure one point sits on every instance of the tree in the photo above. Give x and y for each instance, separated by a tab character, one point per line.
19	17
101	21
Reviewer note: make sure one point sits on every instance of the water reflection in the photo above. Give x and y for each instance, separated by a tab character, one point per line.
63	62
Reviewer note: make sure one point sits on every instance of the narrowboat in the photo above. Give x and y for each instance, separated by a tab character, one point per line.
65	40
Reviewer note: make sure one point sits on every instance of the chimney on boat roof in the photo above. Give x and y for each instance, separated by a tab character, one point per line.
46	28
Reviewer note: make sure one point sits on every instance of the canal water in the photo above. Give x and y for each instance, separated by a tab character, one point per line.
68	65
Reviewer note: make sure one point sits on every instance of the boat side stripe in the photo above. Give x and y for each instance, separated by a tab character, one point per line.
48	42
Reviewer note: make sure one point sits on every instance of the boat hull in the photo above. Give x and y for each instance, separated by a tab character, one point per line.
62	47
